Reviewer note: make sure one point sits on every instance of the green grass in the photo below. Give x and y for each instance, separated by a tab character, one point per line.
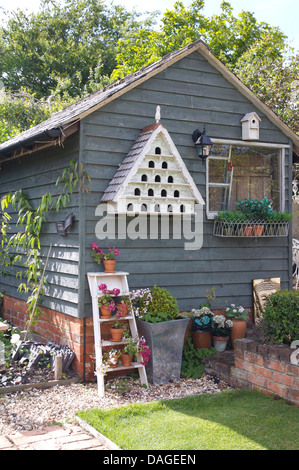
230	420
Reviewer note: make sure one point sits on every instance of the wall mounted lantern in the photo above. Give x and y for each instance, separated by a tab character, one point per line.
61	227
203	143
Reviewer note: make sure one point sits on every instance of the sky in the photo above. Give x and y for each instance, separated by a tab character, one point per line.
282	13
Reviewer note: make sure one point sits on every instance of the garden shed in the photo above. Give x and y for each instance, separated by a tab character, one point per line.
136	139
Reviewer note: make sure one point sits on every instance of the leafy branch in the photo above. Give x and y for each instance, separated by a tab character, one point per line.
26	241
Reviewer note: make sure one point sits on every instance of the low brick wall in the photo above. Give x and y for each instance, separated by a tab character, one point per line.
265	368
58	327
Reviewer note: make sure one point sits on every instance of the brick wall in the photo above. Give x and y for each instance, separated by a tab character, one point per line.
266	368
58	327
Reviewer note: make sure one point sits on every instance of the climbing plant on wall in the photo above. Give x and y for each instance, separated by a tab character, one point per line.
22	247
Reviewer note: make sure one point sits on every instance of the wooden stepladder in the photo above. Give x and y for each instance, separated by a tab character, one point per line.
119	281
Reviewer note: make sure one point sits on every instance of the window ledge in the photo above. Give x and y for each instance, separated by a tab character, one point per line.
252	229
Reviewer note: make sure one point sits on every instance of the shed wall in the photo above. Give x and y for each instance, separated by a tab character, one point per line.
36	175
191	93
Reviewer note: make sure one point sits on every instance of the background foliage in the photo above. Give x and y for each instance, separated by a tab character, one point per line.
70	48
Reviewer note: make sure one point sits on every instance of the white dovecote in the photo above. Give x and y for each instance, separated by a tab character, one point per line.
251	126
153	177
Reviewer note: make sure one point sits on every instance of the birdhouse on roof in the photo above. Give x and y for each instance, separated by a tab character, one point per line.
251	126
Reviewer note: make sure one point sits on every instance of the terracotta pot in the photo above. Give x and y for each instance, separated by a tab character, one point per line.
116	334
105	311
238	330
247	231
220	342
114	363
126	359
258	230
109	265
123	309
201	339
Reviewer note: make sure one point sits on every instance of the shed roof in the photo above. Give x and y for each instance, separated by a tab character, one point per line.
54	127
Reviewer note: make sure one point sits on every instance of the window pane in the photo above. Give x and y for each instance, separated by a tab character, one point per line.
218	199
256	175
218	172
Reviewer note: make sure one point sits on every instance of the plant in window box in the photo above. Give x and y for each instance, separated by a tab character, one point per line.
201	327
280	222
257	210
163	328
221	328
238	315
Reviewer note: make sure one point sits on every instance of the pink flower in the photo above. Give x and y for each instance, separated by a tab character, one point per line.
116	292
111	306
94	246
102	287
116	252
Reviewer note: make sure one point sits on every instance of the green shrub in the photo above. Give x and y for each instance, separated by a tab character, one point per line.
281	317
163	306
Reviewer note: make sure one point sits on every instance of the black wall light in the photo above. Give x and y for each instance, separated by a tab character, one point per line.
61	227
203	143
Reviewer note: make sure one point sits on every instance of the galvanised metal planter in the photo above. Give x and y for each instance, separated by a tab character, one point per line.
166	341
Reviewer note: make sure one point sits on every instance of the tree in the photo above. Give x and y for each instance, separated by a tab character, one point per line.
73	44
228	36
273	79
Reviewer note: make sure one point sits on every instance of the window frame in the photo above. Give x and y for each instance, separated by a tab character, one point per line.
282	147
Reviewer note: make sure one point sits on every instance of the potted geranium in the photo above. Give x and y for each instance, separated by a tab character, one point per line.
116	330
238	315
160	324
123	305
108	259
134	348
201	327
221	328
106	300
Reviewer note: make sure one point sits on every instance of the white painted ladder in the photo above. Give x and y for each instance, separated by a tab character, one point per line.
119	281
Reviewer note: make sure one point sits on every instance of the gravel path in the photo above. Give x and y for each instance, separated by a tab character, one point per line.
35	408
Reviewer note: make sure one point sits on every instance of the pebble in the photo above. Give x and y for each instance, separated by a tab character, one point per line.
36	408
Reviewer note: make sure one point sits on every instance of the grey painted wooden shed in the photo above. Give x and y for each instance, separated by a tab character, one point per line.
193	89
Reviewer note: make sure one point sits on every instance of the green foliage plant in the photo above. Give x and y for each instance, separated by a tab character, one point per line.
163	306
191	359
256	209
281	317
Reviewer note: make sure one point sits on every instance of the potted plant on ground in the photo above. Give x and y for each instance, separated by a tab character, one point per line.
201	327
238	316
106	300
163	328
108	259
221	328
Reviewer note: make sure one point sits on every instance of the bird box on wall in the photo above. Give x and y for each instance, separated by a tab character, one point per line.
251	126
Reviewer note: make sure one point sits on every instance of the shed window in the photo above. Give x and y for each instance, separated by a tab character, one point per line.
241	172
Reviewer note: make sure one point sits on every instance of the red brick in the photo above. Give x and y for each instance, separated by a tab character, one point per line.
257	380
278	389
283	379
254	358
276	365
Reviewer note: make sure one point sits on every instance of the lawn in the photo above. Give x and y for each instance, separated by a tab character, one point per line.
230	420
